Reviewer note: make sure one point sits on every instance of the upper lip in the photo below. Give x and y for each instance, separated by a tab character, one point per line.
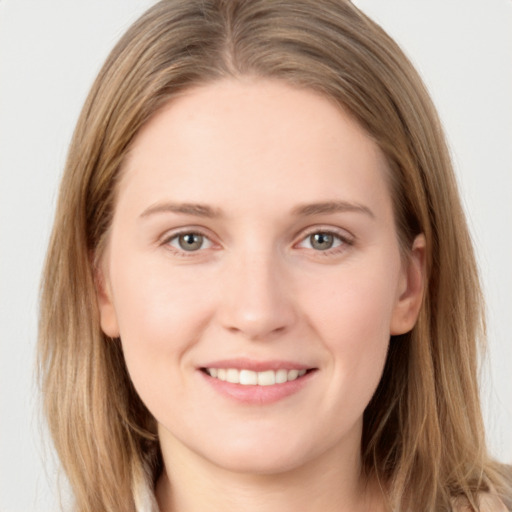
257	366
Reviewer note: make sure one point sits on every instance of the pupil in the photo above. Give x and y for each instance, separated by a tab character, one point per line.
190	241
321	241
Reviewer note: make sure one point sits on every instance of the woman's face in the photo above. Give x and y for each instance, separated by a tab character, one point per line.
254	276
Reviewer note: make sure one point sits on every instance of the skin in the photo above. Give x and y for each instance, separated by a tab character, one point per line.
255	153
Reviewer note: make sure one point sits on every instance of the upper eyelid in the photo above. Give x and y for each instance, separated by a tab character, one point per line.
340	232
166	239
173	233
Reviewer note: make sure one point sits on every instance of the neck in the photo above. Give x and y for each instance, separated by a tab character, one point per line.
328	483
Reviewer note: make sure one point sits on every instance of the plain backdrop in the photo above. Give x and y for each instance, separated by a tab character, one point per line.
50	52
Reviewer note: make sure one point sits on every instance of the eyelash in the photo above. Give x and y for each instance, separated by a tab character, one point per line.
182	252
344	241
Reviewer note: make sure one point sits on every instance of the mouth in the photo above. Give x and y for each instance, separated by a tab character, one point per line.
246	377
257	383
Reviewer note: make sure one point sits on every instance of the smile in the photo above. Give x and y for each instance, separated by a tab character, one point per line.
253	378
257	383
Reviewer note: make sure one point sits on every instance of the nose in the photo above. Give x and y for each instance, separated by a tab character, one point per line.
256	299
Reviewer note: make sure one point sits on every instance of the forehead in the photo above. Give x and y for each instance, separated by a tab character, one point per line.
233	140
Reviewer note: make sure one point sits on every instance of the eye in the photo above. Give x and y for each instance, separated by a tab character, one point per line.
324	241
189	242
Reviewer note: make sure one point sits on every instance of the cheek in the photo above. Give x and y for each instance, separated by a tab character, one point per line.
354	304
351	313
160	315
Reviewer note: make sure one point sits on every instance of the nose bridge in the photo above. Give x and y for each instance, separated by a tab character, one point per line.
256	300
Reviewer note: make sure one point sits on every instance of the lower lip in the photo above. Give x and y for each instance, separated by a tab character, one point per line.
258	395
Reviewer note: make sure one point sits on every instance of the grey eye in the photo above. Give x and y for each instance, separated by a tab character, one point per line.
321	241
190	241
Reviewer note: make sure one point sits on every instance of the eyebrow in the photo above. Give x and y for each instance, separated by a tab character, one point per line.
331	207
195	209
305	210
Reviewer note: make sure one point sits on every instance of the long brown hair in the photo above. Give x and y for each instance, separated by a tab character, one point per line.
423	435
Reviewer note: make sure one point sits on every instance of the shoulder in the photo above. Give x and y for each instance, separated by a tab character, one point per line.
491	503
488	502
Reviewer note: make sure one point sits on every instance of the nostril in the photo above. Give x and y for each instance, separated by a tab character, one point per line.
257	330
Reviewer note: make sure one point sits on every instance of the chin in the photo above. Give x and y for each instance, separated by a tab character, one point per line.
267	465
260	456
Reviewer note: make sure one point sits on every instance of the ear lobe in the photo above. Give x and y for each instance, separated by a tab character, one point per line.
108	317
411	290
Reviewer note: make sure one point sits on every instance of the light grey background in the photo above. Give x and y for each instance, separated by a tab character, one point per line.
51	50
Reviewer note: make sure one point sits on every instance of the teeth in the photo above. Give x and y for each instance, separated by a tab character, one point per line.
267	378
247	378
232	375
281	376
293	374
250	378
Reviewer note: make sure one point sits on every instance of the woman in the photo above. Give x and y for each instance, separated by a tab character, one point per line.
260	291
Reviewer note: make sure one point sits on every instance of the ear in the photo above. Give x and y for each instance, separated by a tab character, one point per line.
108	317
410	289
